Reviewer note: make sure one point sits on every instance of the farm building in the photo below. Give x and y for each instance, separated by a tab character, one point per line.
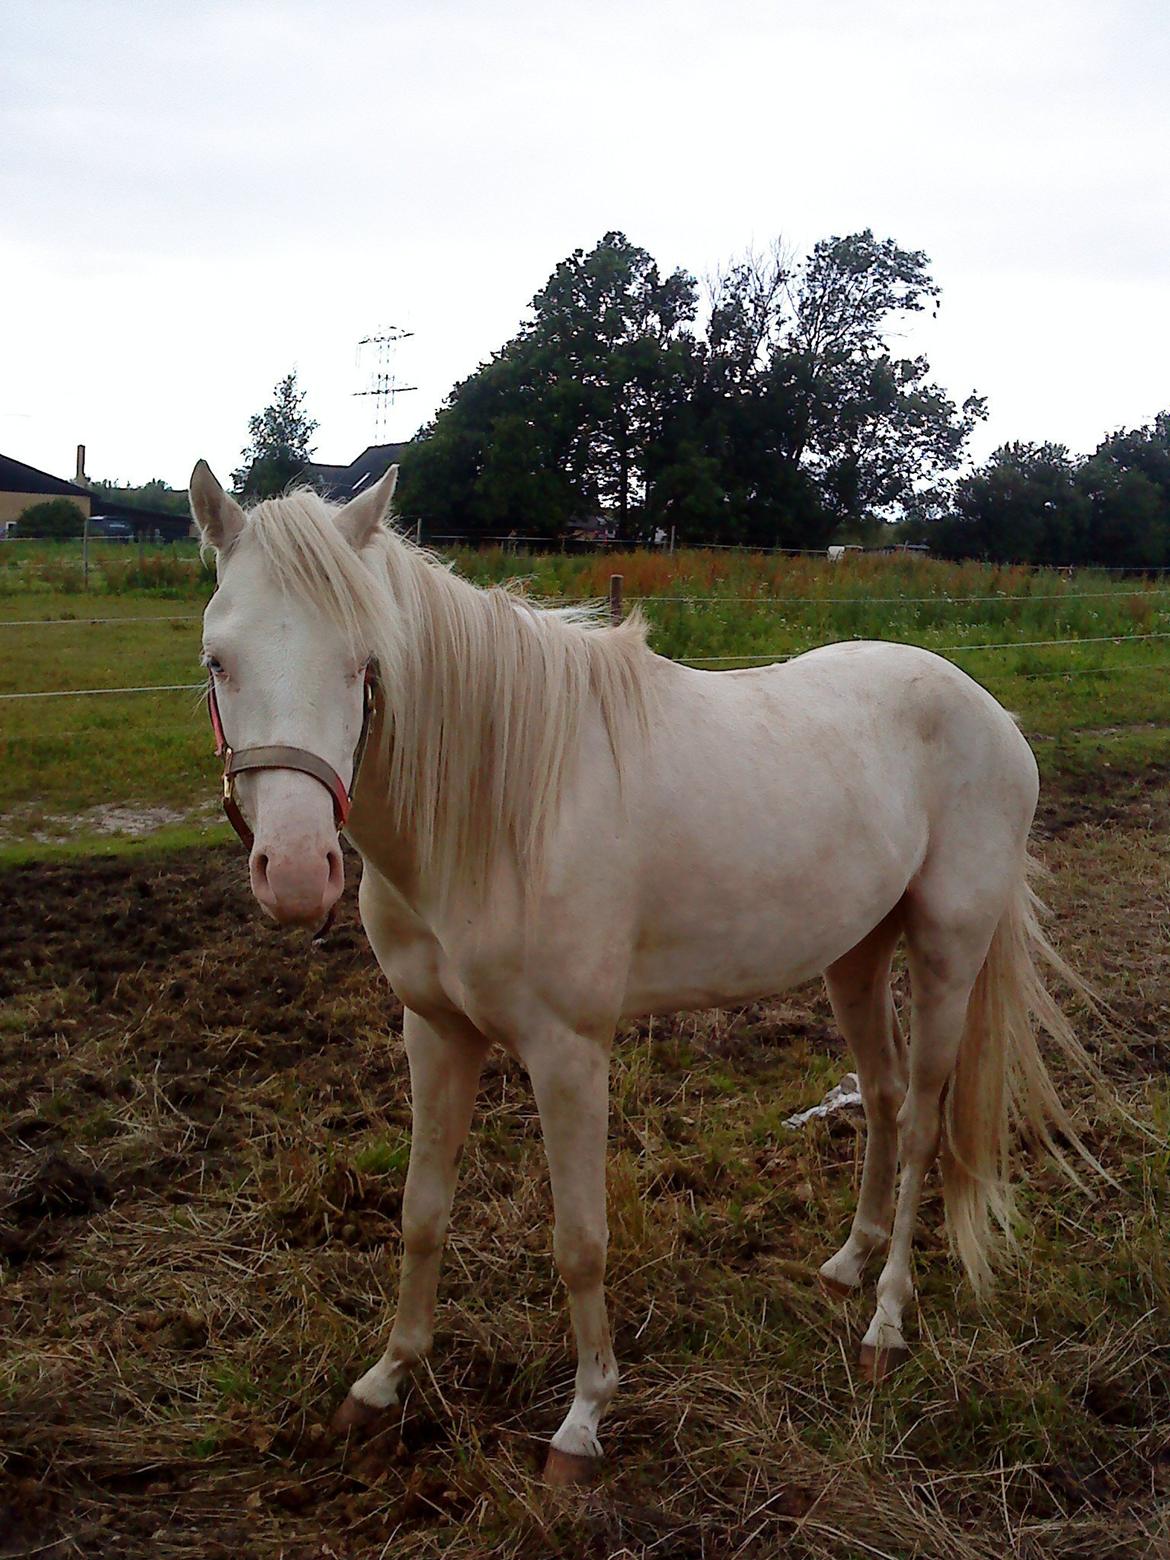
22	486
341	483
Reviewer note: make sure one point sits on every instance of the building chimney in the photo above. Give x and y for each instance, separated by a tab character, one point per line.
80	478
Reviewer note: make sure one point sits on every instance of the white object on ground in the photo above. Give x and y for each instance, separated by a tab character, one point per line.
840	1097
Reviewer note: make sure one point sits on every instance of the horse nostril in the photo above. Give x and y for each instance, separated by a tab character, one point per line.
260	866
335	866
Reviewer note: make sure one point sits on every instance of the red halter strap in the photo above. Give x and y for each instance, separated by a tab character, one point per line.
278	756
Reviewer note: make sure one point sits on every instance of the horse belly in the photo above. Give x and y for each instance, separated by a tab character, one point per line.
761	878
708	953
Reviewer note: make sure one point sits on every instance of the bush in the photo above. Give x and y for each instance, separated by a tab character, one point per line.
56	517
168	574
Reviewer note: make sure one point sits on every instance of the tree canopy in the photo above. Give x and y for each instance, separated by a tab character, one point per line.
155	494
1035	503
787	416
771	409
279	445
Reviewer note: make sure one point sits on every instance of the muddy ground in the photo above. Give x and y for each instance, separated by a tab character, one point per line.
203	1130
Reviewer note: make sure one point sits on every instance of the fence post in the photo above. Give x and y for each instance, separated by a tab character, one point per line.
672	539
615	599
418	532
140	557
85	553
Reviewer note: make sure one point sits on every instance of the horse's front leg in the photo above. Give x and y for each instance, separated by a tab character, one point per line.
445	1064
570	1078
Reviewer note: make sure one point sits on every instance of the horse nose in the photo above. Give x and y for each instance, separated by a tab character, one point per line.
297	887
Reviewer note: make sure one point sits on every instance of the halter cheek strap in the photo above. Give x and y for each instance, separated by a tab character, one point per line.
278	756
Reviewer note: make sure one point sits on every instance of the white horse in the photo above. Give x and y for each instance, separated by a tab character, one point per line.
561	830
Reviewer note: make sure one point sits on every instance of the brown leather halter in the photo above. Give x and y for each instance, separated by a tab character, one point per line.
278	756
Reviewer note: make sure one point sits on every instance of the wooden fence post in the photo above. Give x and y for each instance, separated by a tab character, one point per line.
85	553
615	599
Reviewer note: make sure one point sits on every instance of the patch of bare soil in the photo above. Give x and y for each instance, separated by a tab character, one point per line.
203	1123
1133	798
111	818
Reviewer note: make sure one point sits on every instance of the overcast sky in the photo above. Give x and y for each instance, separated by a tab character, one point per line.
198	196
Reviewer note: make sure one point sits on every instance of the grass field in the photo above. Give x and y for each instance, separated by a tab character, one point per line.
203	1136
203	1131
64	762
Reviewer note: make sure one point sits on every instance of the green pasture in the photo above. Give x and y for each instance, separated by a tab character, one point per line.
1100	698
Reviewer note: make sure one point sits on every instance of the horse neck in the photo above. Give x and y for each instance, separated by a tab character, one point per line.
372	824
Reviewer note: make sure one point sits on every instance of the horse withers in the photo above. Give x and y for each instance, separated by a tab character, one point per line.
561	830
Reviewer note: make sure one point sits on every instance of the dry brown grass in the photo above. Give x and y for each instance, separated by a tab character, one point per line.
204	1129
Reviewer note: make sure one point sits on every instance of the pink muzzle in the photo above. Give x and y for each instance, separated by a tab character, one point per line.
294	891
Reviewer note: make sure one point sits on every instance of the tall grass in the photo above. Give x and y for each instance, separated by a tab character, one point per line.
35	568
755	605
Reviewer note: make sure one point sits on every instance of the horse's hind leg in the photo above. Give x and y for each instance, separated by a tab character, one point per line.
948	935
859	989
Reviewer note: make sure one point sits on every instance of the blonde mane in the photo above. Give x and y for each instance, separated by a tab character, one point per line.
484	694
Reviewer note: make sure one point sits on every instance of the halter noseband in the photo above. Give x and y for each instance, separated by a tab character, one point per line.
280	757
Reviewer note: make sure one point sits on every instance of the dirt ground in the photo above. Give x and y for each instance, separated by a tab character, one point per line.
203	1128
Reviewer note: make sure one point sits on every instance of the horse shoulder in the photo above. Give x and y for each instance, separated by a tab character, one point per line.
409	954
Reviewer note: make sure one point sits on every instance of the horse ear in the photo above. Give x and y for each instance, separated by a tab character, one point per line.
218	516
362	516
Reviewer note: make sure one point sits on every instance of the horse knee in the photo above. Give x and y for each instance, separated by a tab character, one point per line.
424	1225
919	1127
580	1257
883	1097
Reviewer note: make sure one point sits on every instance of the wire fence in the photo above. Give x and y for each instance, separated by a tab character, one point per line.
742	659
767	658
1001	599
172	538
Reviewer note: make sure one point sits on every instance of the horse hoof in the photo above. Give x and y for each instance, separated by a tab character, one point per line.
877	1364
835	1289
566	1470
354	1415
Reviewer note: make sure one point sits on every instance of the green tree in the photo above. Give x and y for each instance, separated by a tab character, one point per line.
494	459
792	417
56	517
155	494
279	447
608	338
569	417
1025	505
823	411
1126	483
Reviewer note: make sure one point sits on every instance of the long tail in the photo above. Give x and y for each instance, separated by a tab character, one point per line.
1001	1085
